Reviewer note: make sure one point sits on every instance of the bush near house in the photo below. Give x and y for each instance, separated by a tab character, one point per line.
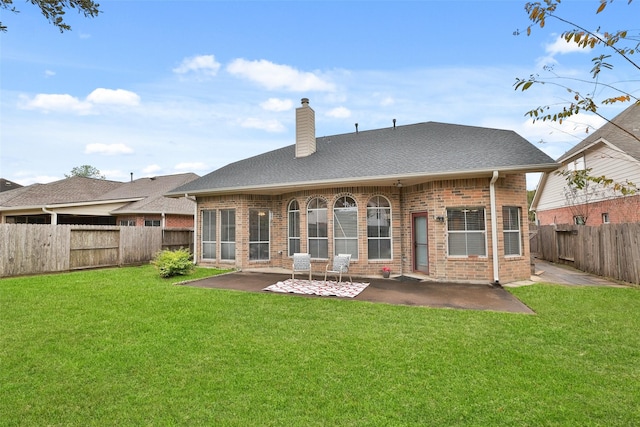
173	263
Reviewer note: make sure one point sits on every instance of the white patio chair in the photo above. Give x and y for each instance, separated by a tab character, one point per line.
301	263
339	267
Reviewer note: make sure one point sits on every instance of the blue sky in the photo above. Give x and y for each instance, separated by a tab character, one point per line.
163	87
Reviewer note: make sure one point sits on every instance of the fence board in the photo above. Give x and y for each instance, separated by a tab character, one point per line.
94	247
34	248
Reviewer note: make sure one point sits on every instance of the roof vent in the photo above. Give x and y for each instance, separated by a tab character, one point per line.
356	128
394	123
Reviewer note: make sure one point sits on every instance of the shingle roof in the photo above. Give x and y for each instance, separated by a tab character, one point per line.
153	190
76	189
425	149
629	120
145	195
6	185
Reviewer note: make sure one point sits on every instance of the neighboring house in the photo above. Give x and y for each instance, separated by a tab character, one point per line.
6	185
441	200
80	200
609	151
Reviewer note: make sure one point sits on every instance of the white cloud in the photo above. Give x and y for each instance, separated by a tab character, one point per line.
268	125
57	103
190	166
339	113
202	65
49	73
277	105
115	97
274	76
65	103
561	46
108	149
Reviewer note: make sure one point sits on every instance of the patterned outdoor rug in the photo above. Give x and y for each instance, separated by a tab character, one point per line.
318	287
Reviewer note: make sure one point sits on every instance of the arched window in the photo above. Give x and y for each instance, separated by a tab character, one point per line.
317	228
294	227
345	227
379	228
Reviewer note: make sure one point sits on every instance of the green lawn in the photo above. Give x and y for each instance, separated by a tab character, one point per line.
124	347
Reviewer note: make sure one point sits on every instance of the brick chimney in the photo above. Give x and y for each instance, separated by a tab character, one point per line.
305	130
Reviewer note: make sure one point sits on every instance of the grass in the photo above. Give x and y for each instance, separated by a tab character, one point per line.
124	347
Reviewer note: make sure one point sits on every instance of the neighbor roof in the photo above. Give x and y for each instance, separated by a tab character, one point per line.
144	195
629	120
411	153
153	190
6	185
76	189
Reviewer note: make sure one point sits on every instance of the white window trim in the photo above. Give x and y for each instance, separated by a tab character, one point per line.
518	231
484	232
356	238
260	242
390	238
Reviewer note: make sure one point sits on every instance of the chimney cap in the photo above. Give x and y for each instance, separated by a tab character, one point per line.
305	101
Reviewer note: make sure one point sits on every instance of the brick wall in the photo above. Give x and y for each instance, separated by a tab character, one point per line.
620	210
171	221
432	198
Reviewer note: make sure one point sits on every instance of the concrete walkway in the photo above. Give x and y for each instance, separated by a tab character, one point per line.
546	271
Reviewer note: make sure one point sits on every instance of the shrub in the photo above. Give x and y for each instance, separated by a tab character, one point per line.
173	263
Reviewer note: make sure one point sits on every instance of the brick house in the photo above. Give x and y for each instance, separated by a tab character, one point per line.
610	151
89	201
430	199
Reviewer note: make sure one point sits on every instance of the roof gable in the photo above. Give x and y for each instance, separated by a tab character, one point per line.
629	120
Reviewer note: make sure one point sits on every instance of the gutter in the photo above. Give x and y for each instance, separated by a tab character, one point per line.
54	215
494	229
376	180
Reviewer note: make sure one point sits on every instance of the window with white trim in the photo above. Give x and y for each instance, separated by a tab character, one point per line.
379	228
466	232
259	234
511	231
317	237
345	227
294	227
228	234
605	217
208	234
152	223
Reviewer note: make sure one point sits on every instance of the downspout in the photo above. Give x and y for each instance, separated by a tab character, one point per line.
195	228
494	229
163	225
54	215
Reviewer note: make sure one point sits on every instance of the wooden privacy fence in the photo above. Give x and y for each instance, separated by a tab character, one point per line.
32	249
610	250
